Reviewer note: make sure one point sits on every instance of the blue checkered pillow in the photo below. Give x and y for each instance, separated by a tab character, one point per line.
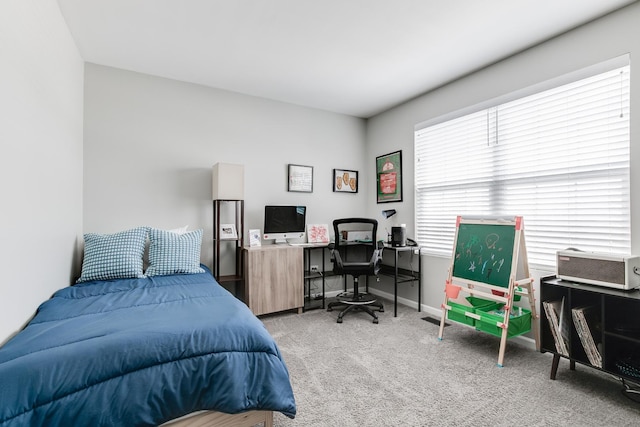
173	253
113	256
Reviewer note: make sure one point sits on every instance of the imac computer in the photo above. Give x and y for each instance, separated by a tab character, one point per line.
284	222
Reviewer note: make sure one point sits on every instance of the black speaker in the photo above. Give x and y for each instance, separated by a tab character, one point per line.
398	236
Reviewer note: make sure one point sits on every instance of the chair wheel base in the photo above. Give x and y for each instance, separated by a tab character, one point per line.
355	306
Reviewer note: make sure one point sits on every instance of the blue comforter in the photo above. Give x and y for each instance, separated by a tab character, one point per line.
140	352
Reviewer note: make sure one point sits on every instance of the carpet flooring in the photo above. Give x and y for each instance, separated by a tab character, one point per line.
397	373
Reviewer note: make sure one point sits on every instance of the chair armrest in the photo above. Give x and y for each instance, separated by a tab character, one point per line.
376	257
373	264
336	259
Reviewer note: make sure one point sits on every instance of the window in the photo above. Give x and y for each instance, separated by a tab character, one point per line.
558	157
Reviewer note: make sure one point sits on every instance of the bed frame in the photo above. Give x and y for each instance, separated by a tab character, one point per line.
220	419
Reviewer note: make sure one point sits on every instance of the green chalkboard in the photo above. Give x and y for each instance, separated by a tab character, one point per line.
484	253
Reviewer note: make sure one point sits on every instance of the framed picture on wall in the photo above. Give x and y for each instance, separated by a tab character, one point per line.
345	181
300	178
389	177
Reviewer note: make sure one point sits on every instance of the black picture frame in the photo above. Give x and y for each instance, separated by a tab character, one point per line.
300	178
389	177
345	181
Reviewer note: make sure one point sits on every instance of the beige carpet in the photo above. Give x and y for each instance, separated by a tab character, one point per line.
398	373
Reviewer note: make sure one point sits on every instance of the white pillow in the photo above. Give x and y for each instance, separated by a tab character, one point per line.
180	230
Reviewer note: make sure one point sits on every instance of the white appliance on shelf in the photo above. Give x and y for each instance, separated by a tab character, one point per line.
613	271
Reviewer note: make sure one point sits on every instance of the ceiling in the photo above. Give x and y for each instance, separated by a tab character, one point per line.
355	57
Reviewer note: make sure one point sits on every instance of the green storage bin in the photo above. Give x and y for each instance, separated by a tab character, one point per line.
485	304
457	313
519	322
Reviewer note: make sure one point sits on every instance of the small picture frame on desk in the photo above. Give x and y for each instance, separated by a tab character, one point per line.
254	238
318	233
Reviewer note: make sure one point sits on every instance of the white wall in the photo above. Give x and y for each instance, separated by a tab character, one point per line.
605	38
150	144
41	82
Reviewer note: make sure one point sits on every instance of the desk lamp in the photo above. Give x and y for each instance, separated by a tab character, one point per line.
388	213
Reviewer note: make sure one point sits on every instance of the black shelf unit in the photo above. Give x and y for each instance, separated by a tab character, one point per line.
235	279
615	330
312	302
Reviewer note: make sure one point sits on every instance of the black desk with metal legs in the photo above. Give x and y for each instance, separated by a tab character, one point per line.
403	275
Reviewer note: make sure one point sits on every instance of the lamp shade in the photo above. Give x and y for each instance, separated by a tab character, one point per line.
227	182
388	213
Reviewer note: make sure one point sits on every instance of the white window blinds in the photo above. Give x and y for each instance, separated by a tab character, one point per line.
559	158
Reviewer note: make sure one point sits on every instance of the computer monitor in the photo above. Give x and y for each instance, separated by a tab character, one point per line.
284	222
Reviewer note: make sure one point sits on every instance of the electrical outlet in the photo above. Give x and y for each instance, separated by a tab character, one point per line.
315	268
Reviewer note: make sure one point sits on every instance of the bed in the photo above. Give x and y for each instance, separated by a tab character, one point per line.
143	351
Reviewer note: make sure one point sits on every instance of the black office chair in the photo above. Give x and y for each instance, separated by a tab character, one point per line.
355	252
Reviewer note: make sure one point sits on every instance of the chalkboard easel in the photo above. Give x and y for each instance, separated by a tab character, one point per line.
489	261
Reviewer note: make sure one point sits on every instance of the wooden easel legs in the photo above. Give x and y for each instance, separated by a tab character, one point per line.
442	318
527	284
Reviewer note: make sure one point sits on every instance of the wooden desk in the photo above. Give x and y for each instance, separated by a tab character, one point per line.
273	275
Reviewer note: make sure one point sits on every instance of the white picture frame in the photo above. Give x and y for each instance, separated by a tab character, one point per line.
228	232
318	233
254	237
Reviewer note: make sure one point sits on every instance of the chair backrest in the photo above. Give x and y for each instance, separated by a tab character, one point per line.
355	250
